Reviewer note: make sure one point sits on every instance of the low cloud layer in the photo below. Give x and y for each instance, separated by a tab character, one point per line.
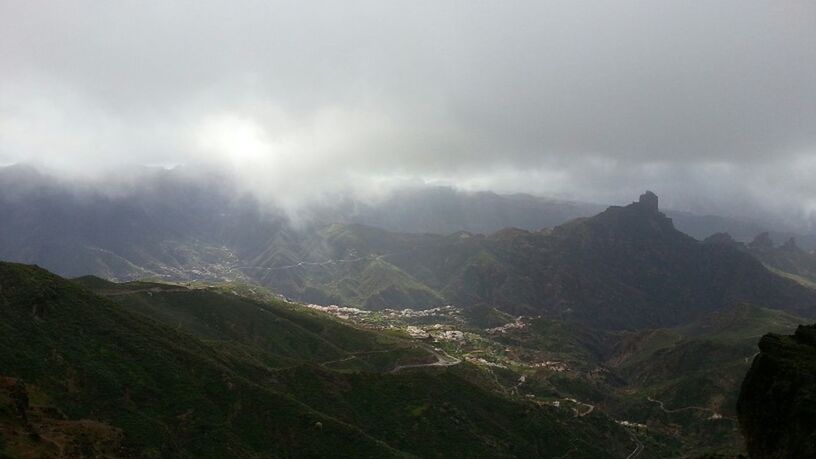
711	104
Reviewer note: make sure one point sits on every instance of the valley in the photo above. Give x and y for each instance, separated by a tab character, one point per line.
641	380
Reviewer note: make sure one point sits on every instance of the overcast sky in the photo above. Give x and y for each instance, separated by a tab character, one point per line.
709	103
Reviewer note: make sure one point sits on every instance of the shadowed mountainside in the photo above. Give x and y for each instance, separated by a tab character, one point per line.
627	267
777	403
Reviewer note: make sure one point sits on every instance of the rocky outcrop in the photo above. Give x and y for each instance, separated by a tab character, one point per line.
649	201
777	402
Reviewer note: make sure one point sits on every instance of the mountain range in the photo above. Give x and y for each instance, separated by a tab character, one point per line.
626	267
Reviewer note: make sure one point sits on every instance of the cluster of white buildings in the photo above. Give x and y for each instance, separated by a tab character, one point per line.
552	365
519	323
448	335
481	361
341	312
416	332
632	425
417	313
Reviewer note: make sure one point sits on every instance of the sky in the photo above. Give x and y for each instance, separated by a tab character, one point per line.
711	104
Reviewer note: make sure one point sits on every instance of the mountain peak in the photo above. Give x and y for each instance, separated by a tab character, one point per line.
648	200
791	245
720	238
762	241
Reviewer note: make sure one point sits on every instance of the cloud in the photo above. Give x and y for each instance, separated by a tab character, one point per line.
588	100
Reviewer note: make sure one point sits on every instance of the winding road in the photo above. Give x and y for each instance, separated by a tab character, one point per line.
577	413
441	361
355	355
638	447
688	408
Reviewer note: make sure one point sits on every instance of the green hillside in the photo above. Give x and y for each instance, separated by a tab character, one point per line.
278	333
171	394
161	370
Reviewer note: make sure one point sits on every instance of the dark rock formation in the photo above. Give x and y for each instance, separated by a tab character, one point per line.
648	200
777	403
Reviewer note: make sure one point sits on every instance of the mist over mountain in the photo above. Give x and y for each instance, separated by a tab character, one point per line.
625	267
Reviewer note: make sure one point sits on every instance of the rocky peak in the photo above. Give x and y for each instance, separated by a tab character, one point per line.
638	221
720	238
648	201
762	242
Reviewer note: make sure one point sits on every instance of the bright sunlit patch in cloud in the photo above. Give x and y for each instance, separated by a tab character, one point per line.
240	140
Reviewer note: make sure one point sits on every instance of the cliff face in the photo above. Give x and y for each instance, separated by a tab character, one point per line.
777	403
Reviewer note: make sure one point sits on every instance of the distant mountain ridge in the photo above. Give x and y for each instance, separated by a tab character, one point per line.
627	267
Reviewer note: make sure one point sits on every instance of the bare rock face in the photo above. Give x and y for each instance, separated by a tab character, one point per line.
649	201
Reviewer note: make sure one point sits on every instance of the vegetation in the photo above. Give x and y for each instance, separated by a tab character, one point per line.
165	371
625	268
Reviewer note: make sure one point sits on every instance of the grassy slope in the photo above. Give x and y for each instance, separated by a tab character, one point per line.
278	333
187	391
172	394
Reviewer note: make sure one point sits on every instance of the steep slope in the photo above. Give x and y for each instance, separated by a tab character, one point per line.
777	403
169	393
277	333
627	267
